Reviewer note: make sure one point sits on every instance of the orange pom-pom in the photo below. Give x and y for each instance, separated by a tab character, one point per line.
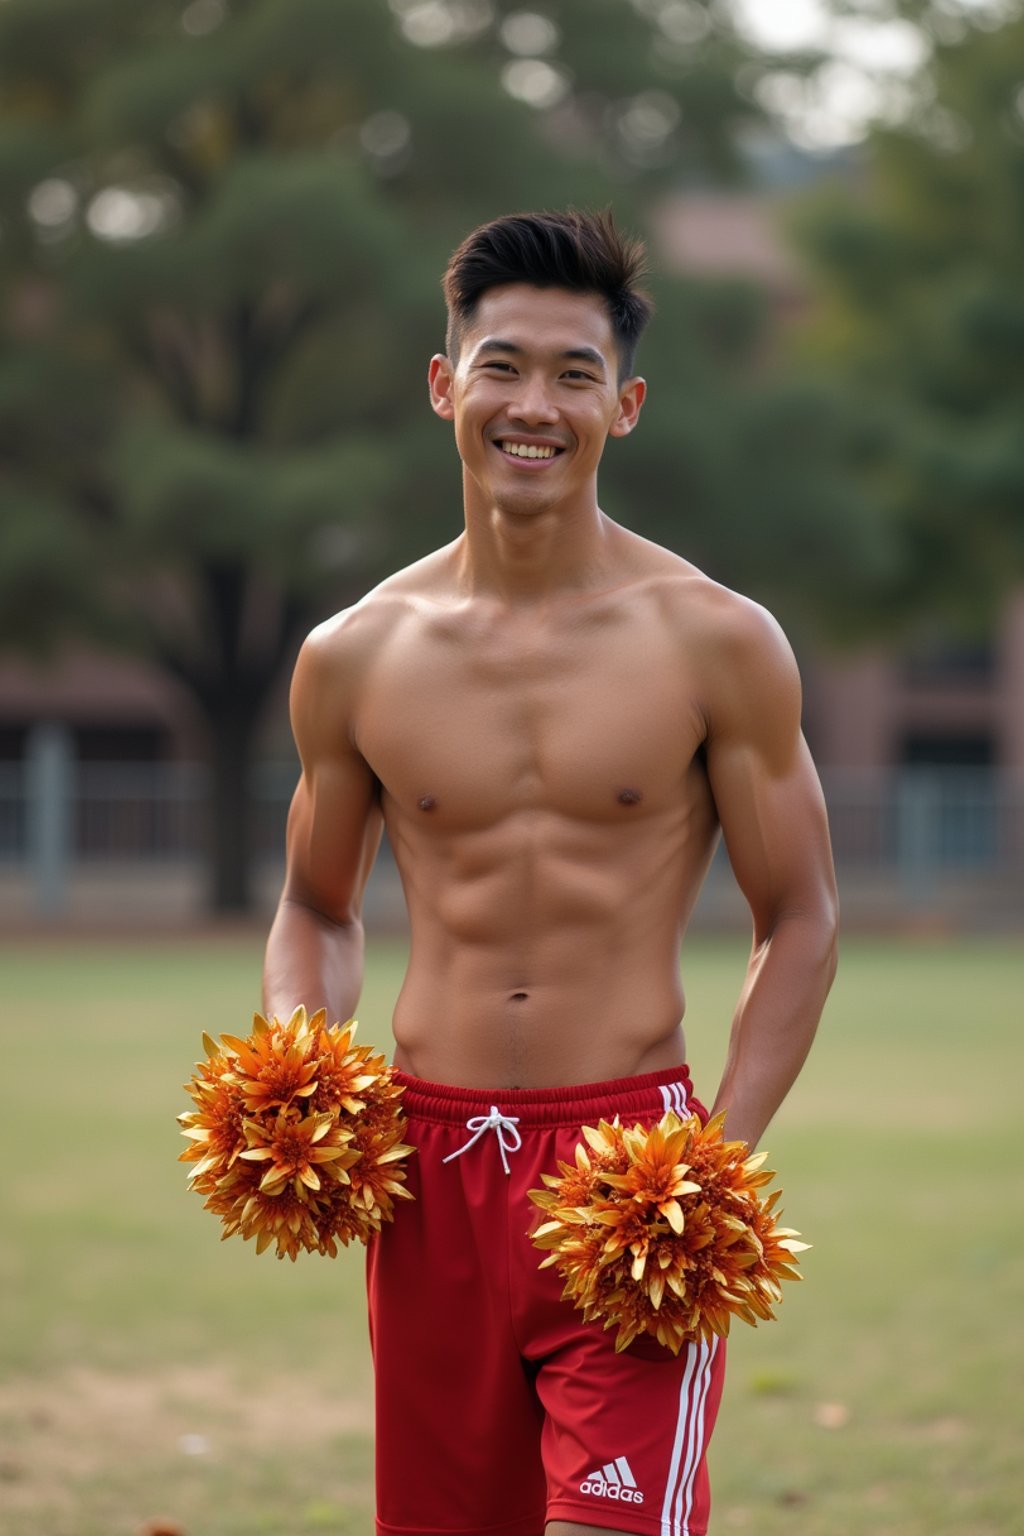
662	1231
296	1135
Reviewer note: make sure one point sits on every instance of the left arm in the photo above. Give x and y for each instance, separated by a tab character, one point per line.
772	813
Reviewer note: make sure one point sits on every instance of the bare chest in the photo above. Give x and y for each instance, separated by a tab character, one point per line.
591	724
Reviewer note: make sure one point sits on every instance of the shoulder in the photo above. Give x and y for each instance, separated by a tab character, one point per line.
337	659
734	630
750	690
740	662
720	622
342	647
732	640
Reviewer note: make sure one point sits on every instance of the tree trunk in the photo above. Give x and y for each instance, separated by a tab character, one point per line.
230	819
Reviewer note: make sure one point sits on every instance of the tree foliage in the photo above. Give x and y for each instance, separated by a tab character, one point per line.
222	224
920	328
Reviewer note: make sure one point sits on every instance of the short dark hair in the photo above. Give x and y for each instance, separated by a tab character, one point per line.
583	252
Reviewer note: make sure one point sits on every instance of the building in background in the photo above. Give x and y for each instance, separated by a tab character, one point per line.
921	751
922	747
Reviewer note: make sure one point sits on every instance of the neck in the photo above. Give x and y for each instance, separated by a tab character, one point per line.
536	554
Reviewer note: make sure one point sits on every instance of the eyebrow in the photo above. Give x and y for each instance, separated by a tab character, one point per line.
571	355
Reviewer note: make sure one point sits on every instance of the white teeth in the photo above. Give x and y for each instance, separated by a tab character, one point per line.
528	451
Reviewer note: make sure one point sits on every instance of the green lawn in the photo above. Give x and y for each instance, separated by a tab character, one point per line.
147	1370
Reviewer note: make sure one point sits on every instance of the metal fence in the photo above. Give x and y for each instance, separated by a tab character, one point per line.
914	835
129	811
931	837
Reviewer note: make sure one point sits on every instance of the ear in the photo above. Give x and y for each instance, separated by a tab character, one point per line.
440	378
631	398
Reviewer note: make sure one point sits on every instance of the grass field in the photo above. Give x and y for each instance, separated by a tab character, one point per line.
148	1371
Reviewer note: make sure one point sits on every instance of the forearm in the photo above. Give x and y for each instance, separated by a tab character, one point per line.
788	979
312	960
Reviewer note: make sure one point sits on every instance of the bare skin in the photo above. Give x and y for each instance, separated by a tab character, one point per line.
555	719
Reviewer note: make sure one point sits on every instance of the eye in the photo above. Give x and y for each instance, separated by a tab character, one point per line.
578	376
498	366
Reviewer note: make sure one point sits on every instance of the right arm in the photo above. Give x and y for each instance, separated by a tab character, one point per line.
315	948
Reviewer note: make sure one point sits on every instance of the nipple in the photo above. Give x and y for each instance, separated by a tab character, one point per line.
629	797
427	802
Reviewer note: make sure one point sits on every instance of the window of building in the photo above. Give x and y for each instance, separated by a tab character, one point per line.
948	749
950	664
947	798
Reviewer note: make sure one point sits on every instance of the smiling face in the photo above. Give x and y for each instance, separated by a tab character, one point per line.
534	397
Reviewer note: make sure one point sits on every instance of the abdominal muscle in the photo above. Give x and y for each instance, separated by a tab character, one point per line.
544	955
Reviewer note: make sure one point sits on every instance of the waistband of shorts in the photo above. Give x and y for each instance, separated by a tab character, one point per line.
572	1105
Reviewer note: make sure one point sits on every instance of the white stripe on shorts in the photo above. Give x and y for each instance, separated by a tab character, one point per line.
673	1096
688	1445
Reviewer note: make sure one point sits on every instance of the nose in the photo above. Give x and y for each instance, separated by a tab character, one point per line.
532	402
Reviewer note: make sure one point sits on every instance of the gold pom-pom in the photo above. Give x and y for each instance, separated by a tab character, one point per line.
662	1231
296	1137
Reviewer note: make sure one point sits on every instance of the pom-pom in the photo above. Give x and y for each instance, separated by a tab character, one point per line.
296	1136
662	1231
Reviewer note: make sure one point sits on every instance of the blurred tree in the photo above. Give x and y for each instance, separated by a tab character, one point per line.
221	228
739	462
919	325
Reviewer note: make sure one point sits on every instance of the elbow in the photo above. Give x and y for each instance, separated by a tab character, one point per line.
812	925
818	915
832	953
828	924
347	917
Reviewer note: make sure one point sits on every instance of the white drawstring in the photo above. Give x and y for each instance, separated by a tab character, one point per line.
504	1125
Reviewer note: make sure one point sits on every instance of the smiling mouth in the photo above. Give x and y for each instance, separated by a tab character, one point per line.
514	449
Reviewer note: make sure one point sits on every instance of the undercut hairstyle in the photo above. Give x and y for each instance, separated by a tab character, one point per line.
582	252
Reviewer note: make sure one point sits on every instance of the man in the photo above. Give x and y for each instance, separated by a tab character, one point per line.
553	718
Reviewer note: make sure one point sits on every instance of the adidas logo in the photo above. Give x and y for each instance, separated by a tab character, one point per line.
614	1481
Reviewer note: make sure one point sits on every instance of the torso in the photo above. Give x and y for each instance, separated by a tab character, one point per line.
542	782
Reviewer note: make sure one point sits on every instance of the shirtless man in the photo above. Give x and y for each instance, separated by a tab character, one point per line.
554	718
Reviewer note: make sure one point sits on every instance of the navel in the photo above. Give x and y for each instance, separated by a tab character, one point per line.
427	802
629	797
518	997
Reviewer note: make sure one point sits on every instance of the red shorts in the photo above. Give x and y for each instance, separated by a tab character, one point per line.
498	1407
